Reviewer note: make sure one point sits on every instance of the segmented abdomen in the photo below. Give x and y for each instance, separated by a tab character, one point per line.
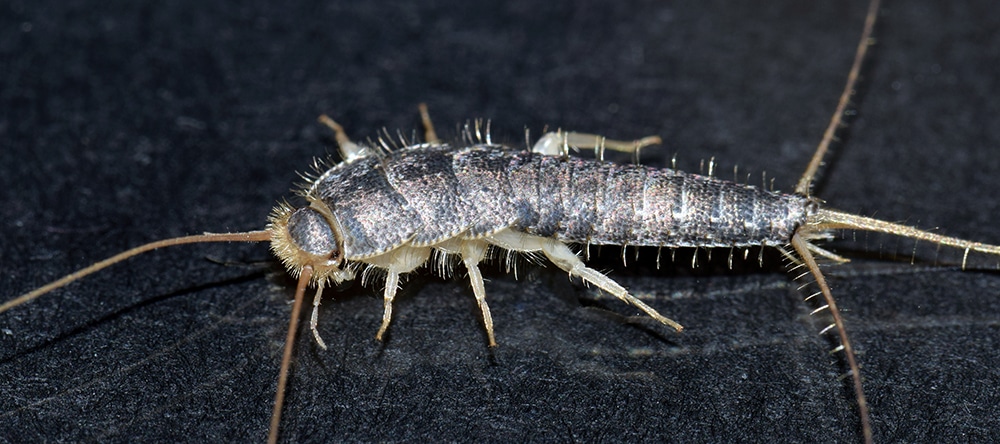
586	201
427	194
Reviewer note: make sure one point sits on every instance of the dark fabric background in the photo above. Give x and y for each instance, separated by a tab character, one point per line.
122	123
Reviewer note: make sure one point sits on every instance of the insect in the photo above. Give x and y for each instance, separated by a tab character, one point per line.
397	326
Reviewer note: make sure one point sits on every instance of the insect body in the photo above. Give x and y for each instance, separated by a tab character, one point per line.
391	211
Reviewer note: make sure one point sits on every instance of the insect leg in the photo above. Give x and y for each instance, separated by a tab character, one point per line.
396	262
430	136
564	258
314	318
473	252
558	144
391	285
348	150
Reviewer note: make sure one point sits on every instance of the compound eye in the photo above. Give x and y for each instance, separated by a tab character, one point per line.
311	232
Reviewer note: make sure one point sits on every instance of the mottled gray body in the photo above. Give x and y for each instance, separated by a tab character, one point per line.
425	194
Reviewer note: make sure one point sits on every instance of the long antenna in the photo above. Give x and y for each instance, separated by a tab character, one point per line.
249	236
286	358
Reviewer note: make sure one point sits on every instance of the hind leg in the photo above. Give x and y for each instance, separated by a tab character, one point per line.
559	142
564	258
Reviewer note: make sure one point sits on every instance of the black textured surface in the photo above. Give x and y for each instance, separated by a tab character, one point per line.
123	123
